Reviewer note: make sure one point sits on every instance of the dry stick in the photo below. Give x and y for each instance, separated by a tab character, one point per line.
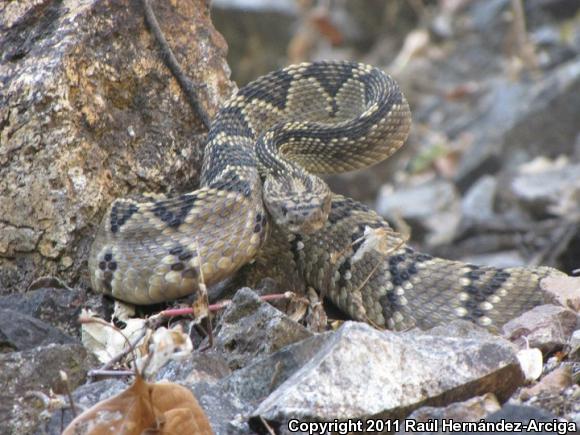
269	428
525	47
131	346
64	379
174	312
204	301
189	89
554	247
110	373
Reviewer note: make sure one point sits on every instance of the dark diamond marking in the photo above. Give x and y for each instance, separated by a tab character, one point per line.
230	119
173	214
185	256
120	213
189	273
332	83
177	250
177	266
471	289
231	182
479	297
470	304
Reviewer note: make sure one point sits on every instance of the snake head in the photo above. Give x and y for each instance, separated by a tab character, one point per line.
300	204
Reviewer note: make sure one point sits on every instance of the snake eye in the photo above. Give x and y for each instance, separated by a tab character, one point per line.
284	210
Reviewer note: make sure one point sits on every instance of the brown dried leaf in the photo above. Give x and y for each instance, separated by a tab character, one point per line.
165	407
177	410
327	28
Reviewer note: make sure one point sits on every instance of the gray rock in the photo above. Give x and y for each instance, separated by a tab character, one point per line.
230	401
257	33
575	346
458	328
431	207
360	372
86	106
547	327
20	332
477	205
469	410
55	306
540	190
497	259
250	327
576	154
517	413
37	370
198	367
515	121
557	8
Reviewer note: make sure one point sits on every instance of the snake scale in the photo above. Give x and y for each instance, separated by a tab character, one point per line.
261	202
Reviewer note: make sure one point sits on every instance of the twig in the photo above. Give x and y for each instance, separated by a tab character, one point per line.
130	345
125	352
555	247
204	302
524	46
189	89
110	373
174	312
64	379
269	428
48	281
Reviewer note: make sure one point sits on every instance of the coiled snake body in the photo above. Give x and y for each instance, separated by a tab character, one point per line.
260	199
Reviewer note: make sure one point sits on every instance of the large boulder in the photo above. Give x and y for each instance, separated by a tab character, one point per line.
88	113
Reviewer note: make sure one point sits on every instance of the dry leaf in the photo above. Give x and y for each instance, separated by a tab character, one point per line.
326	27
531	363
165	344
104	340
165	407
375	239
180	410
462	91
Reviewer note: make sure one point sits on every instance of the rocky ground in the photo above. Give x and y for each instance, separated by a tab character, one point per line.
491	175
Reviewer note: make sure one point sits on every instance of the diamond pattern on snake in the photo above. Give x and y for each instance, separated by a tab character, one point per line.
261	200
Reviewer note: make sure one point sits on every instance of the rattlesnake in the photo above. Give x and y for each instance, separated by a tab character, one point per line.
260	202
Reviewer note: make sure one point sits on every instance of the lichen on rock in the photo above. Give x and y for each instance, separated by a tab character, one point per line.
88	113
